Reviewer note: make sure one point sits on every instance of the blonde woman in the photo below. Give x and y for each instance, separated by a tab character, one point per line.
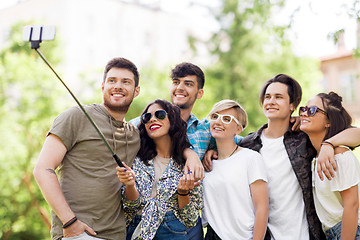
235	191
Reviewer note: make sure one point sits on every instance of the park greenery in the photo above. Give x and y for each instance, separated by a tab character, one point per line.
248	49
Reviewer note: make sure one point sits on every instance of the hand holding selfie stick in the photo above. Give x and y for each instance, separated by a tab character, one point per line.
34	34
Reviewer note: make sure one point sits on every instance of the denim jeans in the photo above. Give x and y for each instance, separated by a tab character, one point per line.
170	228
334	233
196	233
131	228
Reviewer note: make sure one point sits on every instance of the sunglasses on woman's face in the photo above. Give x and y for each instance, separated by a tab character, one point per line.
311	111
159	114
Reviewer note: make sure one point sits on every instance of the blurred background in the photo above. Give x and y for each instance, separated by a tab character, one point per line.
238	43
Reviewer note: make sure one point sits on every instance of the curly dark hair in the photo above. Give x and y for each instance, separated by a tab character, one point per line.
177	134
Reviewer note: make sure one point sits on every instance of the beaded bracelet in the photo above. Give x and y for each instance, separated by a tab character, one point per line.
328	143
70	222
181	194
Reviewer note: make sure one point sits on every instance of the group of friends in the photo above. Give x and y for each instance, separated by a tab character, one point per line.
267	185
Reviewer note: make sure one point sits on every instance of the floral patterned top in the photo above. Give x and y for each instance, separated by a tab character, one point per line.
154	209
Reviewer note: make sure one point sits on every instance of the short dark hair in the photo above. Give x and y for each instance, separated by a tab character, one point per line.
338	117
177	134
185	69
122	63
294	88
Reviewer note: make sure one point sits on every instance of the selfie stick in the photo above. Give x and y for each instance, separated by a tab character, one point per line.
35	45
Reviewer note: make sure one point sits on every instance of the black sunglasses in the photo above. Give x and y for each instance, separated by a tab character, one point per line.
159	114
311	111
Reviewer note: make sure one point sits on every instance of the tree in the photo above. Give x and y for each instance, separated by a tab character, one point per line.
28	104
250	49
154	84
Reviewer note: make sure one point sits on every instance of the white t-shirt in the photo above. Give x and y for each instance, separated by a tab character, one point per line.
228	206
287	217
327	198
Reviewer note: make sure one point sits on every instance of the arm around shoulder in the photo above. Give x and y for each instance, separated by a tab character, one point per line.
193	164
326	165
349	137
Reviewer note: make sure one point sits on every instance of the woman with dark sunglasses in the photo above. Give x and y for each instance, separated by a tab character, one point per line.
336	201
160	201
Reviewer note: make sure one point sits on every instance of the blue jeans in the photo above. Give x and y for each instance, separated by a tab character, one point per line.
170	228
334	233
196	233
131	228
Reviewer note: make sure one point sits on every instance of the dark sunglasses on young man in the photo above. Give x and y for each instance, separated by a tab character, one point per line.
311	111
159	114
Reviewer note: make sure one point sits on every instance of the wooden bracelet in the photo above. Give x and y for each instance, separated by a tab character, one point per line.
181	194
70	222
328	143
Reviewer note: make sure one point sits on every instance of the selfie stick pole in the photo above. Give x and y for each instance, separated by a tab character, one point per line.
35	45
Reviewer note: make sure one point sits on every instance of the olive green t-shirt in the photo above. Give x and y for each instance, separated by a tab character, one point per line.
87	174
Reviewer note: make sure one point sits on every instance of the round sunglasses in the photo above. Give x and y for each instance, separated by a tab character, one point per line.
311	111
224	118
159	114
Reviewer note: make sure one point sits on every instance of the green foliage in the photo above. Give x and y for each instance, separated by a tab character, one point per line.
335	36
354	10
28	105
154	84
250	49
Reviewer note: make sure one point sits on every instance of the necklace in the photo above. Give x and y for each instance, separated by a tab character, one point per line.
237	146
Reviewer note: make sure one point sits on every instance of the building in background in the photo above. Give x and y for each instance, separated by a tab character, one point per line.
341	72
93	31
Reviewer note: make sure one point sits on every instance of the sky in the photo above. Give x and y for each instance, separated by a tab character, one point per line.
313	21
6	3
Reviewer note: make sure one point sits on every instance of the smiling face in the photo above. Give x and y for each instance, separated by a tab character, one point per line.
184	91
220	130
155	127
119	89
276	104
317	124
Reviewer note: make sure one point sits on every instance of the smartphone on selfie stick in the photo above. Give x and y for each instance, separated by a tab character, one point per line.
35	35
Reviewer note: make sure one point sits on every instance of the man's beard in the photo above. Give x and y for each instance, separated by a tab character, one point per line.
122	108
183	106
187	105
